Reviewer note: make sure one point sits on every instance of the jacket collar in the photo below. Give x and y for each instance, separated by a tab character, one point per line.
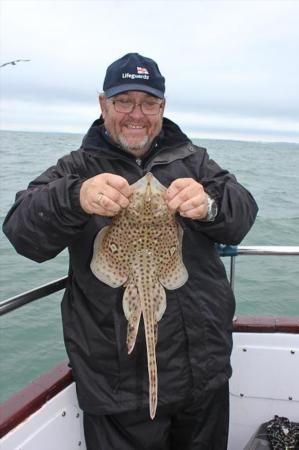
97	139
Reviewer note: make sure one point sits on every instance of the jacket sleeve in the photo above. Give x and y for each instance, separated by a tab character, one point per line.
47	216
237	208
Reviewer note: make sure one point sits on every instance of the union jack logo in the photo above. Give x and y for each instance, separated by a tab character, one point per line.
142	70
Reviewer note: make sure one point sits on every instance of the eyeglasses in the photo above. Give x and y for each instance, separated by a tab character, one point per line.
149	108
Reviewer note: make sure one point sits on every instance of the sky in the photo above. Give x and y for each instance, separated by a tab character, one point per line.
231	67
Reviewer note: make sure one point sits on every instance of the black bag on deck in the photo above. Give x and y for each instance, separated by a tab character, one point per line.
277	434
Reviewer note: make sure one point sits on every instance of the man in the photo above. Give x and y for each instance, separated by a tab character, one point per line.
67	206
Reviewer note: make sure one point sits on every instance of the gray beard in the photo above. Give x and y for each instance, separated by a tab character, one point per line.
136	150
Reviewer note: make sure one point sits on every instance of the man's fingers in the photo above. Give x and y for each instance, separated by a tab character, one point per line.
105	194
116	196
187	196
119	183
177	200
197	213
198	201
103	210
177	186
107	203
190	196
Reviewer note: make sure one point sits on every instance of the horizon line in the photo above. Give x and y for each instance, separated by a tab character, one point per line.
203	136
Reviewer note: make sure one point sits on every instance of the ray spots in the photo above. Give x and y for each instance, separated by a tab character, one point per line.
142	250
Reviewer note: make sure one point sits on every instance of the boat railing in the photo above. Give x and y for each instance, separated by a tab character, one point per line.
253	250
231	251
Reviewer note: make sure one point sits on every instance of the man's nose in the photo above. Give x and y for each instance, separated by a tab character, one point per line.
137	111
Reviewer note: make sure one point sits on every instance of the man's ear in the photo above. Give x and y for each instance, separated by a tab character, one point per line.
163	106
102	101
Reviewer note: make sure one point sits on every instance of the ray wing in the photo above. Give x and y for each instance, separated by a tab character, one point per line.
106	264
173	273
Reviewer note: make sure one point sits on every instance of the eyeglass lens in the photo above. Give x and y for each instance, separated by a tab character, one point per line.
147	108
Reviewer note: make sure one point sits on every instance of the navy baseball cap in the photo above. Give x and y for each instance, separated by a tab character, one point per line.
134	72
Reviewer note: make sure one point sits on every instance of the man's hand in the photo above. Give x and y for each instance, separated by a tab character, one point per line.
187	197
105	194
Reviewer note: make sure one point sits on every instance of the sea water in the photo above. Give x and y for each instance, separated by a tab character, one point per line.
31	337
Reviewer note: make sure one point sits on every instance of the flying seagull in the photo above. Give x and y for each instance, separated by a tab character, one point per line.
13	63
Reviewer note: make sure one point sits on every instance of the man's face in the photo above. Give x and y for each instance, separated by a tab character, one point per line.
133	131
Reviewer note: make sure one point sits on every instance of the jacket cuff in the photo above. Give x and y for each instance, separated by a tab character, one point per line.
75	197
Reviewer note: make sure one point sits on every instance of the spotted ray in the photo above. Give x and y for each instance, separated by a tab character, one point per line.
142	250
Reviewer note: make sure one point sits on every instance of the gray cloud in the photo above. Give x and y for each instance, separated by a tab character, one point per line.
221	58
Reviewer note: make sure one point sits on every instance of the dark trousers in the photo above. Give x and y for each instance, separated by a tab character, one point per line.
201	425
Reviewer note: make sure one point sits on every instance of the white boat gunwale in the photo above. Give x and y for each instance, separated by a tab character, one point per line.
24	403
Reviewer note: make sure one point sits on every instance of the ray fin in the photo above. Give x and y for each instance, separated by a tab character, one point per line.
174	274
104	265
132	310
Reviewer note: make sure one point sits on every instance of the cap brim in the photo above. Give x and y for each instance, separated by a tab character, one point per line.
133	87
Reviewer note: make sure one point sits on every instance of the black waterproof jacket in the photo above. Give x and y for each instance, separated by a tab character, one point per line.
195	333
